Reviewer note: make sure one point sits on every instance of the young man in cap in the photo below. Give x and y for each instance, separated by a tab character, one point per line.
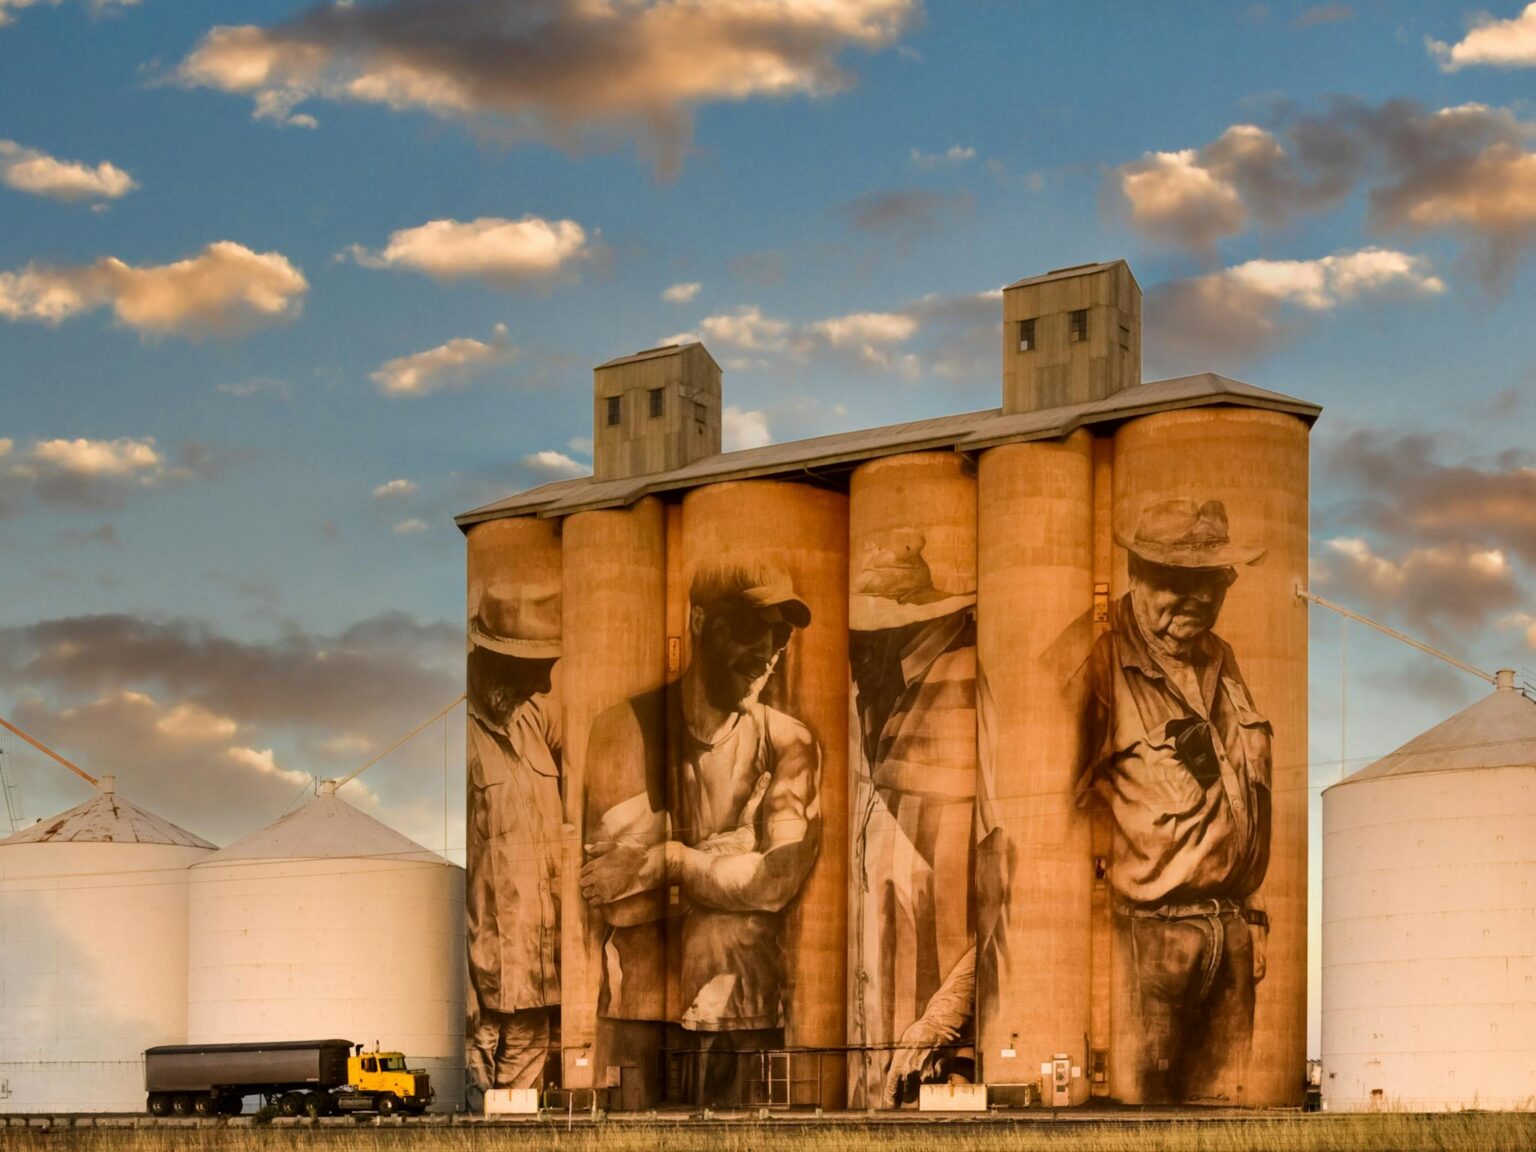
1177	751
512	900
720	826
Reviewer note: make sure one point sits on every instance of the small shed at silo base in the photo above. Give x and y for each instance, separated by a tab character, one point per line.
93	954
1429	918
330	923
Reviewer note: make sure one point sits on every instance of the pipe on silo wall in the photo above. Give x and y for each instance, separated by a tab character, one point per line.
1035	553
763	881
912	756
613	958
513	819
1199	491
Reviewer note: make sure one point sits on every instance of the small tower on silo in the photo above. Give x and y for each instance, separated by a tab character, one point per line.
1071	336
655	411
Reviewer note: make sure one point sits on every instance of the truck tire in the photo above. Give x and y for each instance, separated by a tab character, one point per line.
388	1104
315	1105
205	1106
181	1104
291	1104
159	1104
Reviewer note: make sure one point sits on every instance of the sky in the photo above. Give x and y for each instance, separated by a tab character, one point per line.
285	286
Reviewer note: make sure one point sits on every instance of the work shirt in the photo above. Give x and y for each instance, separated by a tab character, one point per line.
1176	841
915	758
512	894
737	869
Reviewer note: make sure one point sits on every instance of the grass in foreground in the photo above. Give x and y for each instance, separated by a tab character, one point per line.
1454	1132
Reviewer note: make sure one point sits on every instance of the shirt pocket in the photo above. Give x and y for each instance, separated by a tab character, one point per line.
1255	736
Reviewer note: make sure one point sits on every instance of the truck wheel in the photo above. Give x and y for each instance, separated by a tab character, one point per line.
159	1104
291	1104
315	1105
181	1104
205	1106
388	1104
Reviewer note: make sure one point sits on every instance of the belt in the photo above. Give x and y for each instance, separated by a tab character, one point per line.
1203	909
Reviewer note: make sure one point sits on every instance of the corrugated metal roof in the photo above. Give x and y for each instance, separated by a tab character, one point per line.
647	354
325	828
965	432
107	818
1068	273
1499	731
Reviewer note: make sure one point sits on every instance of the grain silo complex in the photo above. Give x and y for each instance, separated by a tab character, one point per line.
1429	918
964	753
93	953
329	923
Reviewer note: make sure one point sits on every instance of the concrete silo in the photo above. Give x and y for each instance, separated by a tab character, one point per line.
329	923
1429	918
93	954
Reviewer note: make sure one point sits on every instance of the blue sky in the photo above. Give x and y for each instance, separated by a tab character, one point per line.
284	287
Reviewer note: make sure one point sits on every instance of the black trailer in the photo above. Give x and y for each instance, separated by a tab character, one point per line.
211	1079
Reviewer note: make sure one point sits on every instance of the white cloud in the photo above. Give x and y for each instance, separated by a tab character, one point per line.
1237	313
500	252
28	170
1491	42
741	429
225	290
193	722
1525	622
563	71
448	365
746	328
123	457
581	445
262	762
411	527
955	154
682	293
555	465
1174	194
1495	194
396	489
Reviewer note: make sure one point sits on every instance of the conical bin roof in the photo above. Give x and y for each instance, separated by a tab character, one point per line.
325	828
106	818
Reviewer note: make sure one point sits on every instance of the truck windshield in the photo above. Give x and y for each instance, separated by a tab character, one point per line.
392	1064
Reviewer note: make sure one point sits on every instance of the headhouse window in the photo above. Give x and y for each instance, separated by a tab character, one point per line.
1026	335
656	402
614	409
1079	326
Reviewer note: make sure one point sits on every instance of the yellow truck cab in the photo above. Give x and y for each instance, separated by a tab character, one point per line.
384	1077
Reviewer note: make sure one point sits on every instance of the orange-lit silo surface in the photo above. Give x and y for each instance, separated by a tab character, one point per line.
912	756
1253	462
799	532
1035	551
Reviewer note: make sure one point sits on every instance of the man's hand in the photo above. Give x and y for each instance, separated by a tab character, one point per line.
917	1053
611	870
1259	936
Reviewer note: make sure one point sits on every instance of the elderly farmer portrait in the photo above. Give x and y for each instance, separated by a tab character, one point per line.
512	900
705	832
1178	752
912	651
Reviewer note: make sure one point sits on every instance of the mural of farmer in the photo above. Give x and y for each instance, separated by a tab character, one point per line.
1178	752
912	650
512	899
723	834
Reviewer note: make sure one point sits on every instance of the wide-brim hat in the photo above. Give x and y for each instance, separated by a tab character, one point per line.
894	587
520	620
1187	534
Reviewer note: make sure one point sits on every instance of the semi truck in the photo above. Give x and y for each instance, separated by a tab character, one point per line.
297	1077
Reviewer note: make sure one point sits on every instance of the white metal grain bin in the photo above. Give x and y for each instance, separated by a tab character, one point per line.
1429	918
93	954
329	923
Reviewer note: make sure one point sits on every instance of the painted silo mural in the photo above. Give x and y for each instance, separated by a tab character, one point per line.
515	752
827	778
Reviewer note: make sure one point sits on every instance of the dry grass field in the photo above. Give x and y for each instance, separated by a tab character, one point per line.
1456	1132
